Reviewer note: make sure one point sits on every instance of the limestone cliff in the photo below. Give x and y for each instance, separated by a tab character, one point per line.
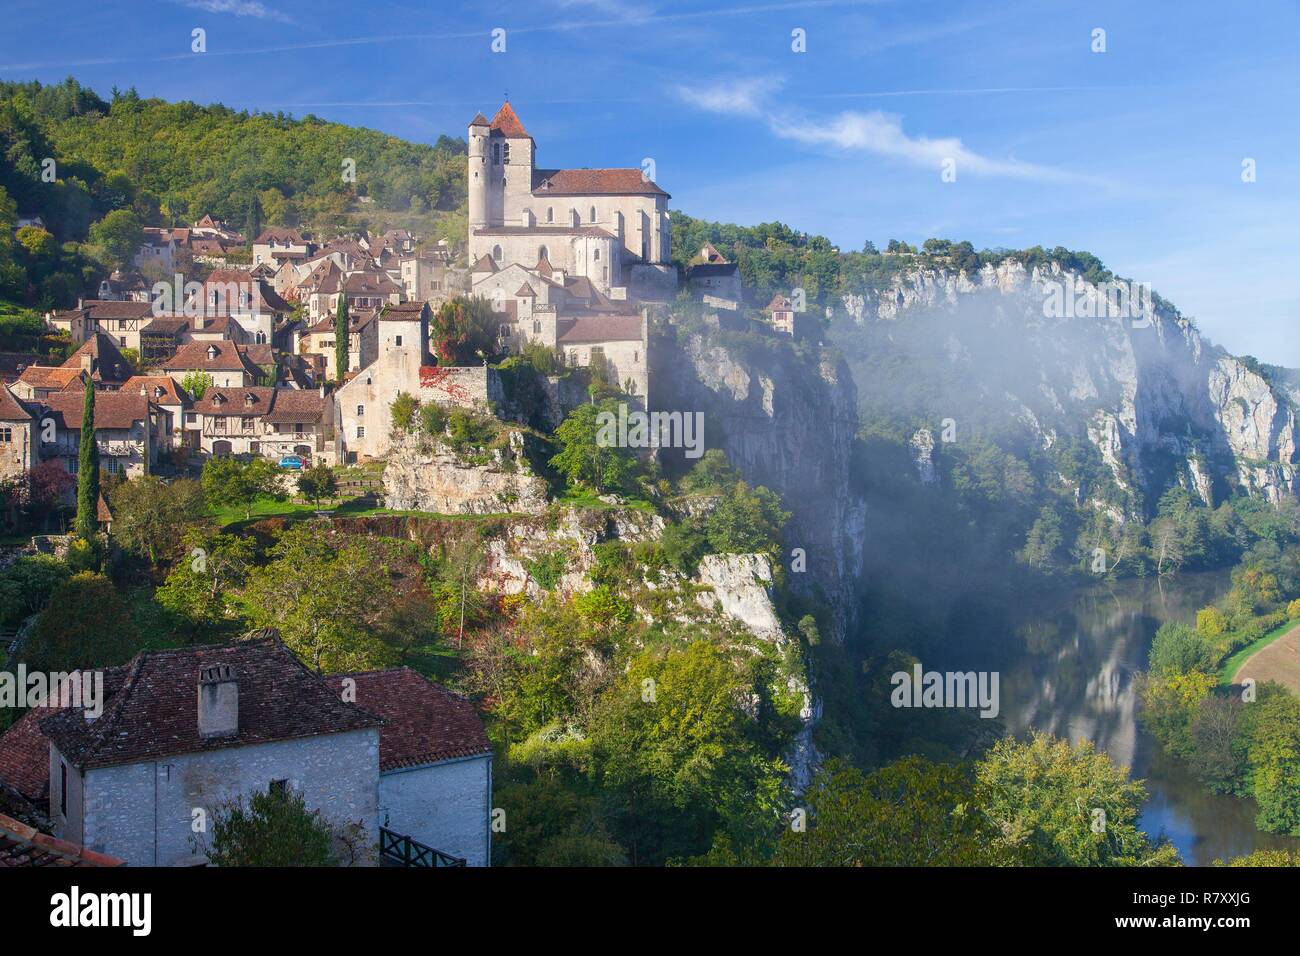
1059	355
786	416
423	474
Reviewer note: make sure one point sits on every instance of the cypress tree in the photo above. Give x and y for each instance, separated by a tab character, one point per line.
341	338
88	471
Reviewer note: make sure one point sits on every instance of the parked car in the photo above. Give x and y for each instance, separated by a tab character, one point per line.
292	461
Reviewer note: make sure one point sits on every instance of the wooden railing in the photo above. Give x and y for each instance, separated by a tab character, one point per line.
399	849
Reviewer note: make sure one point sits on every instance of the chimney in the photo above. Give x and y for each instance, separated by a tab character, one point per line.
218	701
87	362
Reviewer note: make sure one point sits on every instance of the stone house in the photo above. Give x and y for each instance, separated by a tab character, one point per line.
174	404
17	438
363	341
120	320
277	245
129	430
36	382
187	731
229	363
788	321
157	252
231	419
714	279
300	422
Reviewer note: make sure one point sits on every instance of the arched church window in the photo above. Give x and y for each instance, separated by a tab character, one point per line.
542	253
593	213
550	214
496	253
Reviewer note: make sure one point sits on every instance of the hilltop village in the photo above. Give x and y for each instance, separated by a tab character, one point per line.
243	358
245	371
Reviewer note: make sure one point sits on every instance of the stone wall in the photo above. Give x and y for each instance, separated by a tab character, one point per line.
445	805
143	812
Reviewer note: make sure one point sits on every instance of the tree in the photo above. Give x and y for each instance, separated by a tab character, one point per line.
117	237
1167	543
1178	648
341	338
86	625
228	482
673	741
584	460
88	471
197	382
1058	805
465	331
746	521
318	482
26	586
149	516
197	587
326	598
275	828
910	813
1275	758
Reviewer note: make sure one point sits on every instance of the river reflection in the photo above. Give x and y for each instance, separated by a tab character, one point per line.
1073	675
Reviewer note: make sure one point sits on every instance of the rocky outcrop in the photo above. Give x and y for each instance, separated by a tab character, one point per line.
1044	346
787	419
424	475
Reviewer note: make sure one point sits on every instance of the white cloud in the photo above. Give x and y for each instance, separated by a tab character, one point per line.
875	132
737	97
239	8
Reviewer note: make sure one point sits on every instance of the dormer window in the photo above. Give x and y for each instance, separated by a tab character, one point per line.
250	400
218	400
212	353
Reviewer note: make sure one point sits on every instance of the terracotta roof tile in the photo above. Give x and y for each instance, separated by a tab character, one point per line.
155	714
12	410
507	123
607	328
423	722
118	410
593	182
292	405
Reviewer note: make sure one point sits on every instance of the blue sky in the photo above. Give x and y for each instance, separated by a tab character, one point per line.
1134	154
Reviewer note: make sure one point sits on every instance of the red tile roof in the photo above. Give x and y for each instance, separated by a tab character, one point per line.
118	410
293	405
12	410
225	357
593	182
21	845
507	123
107	363
484	263
254	400
171	391
605	328
423	722
47	377
155	714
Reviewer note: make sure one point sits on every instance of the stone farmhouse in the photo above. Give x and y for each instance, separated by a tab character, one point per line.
129	430
400	765
17	435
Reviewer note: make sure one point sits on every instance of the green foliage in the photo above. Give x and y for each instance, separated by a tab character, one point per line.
26	586
1058	805
910	813
116	238
88	471
1274	754
712	474
325	598
342	337
85	625
275	828
229	482
586	462
149	516
464	331
746	520
402	411
672	740
1179	648
548	569
197	382
198	587
317	482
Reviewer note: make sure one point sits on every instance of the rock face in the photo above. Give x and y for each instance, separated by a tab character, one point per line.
422	475
1057	353
786	419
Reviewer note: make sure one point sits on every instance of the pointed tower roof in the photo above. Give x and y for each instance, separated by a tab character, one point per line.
526	292
507	123
484	264
544	267
478	120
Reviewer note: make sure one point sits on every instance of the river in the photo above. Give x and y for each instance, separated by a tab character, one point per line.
1073	674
